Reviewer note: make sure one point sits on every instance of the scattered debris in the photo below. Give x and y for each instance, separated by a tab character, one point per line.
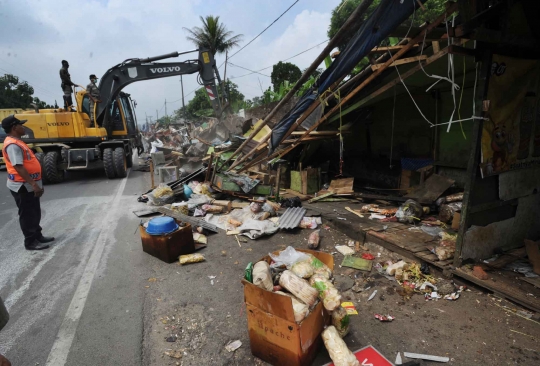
357	263
344	249
233	346
384	318
479	273
191	258
426	357
372	295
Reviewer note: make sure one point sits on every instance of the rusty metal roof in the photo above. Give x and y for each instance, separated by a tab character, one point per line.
291	218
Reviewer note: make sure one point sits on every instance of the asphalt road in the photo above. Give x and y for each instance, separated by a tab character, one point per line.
80	302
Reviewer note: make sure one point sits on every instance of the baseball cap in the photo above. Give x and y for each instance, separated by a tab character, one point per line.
11	121
93	76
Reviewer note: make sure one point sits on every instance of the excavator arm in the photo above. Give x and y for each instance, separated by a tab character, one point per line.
133	70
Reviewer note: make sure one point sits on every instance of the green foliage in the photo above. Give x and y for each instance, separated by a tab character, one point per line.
200	105
15	93
284	72
213	35
41	104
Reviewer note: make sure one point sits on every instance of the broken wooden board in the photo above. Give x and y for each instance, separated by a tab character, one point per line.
315	199
289	193
503	288
535	281
507	258
432	189
145	213
401	61
342	186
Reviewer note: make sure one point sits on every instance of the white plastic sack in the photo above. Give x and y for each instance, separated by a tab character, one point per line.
288	257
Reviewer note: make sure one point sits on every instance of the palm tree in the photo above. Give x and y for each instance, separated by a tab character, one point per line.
213	35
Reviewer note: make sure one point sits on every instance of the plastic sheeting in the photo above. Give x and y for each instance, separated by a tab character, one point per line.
388	15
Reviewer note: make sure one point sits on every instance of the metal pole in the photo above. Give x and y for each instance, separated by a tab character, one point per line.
183	104
225	79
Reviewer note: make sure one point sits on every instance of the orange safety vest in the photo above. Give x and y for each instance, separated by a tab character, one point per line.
30	162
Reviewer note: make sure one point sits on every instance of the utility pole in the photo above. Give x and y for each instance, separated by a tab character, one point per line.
183	104
166	116
157	116
225	77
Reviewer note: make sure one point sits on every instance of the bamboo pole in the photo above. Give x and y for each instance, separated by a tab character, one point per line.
360	10
452	7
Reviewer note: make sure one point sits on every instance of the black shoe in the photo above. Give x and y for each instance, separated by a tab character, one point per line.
36	245
45	239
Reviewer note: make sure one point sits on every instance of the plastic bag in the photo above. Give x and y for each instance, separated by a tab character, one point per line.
191	258
328	293
287	257
431	230
337	349
409	212
160	196
303	268
300	309
447	211
181	207
299	288
313	240
319	268
341	320
262	277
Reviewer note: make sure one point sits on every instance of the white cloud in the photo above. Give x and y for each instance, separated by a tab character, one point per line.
95	35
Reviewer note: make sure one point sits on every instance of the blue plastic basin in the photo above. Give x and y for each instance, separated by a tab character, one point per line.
161	226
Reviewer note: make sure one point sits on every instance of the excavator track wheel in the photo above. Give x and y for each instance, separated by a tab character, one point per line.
108	163
120	162
50	169
41	158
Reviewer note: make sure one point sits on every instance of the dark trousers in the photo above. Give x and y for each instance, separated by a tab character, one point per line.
29	214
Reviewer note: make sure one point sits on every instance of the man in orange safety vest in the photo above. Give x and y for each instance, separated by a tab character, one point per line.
24	182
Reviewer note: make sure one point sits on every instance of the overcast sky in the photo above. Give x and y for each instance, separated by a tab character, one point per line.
94	35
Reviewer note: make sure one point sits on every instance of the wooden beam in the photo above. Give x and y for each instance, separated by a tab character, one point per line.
401	61
463	51
386	49
390	84
436	46
419	37
344	30
474	157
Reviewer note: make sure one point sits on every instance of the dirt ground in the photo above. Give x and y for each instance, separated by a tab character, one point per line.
189	320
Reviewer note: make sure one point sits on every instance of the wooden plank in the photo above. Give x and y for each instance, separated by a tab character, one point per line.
340	186
508	257
397	80
474	156
401	61
436	46
386	49
509	292
432	188
315	199
535	281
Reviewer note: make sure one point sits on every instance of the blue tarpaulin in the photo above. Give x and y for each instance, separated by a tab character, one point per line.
388	15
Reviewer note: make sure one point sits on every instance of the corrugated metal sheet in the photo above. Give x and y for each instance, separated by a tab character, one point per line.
291	218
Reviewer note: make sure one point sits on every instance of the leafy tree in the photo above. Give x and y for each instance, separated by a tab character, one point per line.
284	71
345	8
15	93
200	106
213	35
42	104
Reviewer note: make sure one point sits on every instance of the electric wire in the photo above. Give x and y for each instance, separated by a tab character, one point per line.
264	30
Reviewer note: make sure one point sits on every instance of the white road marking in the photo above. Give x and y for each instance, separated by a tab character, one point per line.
66	334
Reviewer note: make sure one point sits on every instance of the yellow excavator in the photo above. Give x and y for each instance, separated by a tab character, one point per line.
65	140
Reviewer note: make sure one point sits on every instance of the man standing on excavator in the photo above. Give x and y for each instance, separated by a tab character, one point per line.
93	94
67	85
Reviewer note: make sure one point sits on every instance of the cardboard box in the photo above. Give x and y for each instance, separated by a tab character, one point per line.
168	247
274	336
